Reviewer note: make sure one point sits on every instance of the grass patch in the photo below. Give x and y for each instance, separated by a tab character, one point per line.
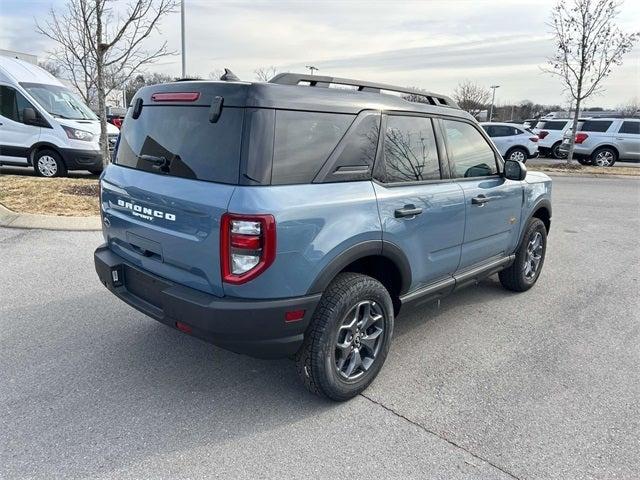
578	169
77	197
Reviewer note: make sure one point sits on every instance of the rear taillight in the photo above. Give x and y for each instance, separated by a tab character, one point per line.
247	246
533	139
581	137
542	134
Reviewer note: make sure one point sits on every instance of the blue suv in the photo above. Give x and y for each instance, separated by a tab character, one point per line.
293	218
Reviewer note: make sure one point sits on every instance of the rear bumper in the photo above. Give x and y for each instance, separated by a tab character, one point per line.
253	327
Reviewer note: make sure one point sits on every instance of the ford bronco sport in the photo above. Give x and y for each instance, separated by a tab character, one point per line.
290	218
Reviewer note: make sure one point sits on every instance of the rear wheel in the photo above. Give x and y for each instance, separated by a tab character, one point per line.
48	163
604	157
526	268
518	154
555	151
348	339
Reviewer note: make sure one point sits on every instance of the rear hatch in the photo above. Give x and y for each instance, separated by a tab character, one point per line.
175	169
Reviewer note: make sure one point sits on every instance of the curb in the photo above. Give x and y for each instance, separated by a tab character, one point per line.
588	175
11	219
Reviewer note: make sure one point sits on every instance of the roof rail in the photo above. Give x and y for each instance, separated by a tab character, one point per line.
363	86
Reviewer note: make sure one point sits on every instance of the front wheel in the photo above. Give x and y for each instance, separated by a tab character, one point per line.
526	268
348	339
556	152
48	163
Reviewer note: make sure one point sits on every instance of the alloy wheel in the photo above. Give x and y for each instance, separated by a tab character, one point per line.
359	340
533	256
517	155
604	158
47	166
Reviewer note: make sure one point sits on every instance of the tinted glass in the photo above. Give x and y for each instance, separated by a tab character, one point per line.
410	152
469	153
180	141
553	125
12	103
503	131
630	127
303	142
595	125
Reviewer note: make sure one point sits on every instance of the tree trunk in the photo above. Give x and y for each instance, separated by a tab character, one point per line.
102	110
574	128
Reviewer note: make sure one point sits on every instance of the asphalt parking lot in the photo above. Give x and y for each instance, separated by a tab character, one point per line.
489	384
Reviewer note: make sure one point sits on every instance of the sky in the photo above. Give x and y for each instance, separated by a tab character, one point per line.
431	44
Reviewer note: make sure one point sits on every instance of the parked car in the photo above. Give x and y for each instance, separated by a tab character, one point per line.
513	143
115	115
274	219
45	125
550	134
603	141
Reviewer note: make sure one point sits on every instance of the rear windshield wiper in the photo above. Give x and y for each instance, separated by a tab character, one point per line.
160	162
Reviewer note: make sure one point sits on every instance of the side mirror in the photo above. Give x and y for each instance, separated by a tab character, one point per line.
29	116
514	170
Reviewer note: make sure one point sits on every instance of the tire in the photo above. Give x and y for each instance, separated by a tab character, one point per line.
604	157
556	153
517	277
48	163
517	153
349	297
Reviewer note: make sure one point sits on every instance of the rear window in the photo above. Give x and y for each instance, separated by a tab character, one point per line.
303	142
180	141
596	125
553	125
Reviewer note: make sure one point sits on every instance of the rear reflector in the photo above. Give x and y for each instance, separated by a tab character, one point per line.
183	327
294	315
175	97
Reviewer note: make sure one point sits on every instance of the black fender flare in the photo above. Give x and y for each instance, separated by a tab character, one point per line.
360	250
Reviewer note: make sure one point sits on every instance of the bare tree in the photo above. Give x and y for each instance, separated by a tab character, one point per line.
471	97
51	66
264	74
102	49
631	108
215	74
589	45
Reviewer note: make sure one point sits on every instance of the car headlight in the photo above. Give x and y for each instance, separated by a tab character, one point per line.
76	134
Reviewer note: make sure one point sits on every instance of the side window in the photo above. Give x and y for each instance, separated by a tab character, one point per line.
502	131
303	142
410	152
469	153
630	127
12	103
596	125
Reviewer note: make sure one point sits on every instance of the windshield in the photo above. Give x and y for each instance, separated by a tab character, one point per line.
59	101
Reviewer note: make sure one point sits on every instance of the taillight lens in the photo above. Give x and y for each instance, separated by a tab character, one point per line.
247	246
533	139
542	134
581	137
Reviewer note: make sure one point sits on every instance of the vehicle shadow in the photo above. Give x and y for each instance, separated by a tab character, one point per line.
124	384
28	172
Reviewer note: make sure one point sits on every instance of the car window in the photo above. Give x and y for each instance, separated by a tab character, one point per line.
469	153
554	125
410	152
502	131
12	104
303	142
630	127
596	125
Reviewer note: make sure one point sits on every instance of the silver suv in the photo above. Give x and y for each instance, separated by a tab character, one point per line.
603	141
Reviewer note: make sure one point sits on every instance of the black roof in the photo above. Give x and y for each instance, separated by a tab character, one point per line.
298	92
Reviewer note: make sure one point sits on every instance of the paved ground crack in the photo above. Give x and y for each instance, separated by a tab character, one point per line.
431	432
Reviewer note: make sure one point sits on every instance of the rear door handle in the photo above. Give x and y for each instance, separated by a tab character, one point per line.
480	200
408	211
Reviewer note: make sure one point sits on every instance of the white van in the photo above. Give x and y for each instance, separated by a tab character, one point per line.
45	125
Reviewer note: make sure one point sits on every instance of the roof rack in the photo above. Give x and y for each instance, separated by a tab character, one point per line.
362	86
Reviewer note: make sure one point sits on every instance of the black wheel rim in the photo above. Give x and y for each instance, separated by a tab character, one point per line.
359	340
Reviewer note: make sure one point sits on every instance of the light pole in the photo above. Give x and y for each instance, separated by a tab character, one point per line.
493	99
312	68
184	58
